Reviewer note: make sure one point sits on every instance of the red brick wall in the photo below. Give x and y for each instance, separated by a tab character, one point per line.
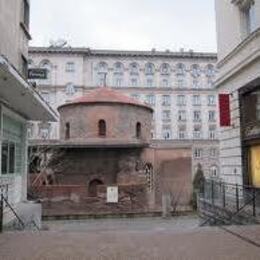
73	200
120	120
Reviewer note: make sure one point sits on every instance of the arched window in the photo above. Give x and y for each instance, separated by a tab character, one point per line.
165	69
149	69
102	67
180	69
210	71
138	130
102	128
67	130
118	68
93	187
195	70
134	68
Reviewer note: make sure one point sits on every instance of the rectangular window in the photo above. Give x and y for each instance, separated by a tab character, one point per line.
180	81
197	132
213	152
70	67
150	99
212	116
211	100
134	82
181	100
198	153
166	100
135	96
195	83
166	132
181	115
149	83
196	100
212	132
165	83
182	131
8	158
196	116
166	115
119	83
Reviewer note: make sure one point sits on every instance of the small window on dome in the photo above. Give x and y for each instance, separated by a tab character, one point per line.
67	130
138	130
102	128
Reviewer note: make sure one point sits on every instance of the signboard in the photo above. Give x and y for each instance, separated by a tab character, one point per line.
112	194
37	73
224	110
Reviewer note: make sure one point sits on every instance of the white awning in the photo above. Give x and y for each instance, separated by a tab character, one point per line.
20	96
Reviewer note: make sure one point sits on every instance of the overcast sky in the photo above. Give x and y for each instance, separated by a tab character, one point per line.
125	24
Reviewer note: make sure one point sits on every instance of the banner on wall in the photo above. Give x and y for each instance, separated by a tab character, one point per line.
224	110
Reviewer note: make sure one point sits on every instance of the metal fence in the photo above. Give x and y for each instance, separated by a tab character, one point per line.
233	197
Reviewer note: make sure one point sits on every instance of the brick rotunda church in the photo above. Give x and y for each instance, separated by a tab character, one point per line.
106	162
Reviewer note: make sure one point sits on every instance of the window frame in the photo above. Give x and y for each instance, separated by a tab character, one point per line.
8	172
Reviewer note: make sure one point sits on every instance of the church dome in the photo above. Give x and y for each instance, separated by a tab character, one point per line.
106	95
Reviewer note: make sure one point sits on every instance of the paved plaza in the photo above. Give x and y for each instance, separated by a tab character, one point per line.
144	238
154	238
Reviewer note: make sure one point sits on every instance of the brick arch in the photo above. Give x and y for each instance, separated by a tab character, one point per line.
93	185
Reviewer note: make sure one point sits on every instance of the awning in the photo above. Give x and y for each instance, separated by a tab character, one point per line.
20	96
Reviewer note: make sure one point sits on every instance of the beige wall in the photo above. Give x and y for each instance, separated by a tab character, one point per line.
229	20
239	66
14	41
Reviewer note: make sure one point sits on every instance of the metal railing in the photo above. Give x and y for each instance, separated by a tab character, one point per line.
232	198
5	204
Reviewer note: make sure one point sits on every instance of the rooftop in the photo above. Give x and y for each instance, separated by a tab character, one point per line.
125	53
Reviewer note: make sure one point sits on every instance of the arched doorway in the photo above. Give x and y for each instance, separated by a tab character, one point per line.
93	187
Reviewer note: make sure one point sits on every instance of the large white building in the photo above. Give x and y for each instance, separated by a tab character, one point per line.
238	31
178	85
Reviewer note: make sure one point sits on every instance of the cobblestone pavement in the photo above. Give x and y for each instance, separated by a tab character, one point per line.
113	239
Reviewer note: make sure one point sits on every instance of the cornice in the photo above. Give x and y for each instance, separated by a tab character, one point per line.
122	53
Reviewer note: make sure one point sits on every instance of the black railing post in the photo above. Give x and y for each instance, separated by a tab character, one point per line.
224	195
237	198
1	212
254	199
212	192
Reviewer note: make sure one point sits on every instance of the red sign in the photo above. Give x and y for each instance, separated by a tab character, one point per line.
224	110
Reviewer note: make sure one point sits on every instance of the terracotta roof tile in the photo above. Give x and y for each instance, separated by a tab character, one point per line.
104	95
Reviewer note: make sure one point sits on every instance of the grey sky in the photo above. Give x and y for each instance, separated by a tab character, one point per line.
125	24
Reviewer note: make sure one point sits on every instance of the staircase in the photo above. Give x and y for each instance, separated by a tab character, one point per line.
222	203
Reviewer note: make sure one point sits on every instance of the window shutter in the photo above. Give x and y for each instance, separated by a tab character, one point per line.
224	110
